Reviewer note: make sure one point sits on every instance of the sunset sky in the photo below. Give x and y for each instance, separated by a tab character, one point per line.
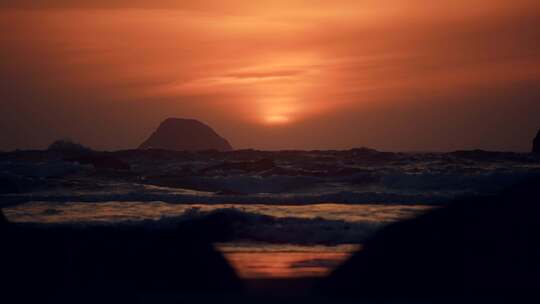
392	75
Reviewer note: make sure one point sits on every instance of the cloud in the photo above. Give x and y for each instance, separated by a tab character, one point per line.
104	4
266	74
238	64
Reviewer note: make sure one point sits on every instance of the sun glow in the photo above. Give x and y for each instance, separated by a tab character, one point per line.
277	119
279	66
279	110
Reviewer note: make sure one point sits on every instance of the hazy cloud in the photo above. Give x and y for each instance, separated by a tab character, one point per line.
397	74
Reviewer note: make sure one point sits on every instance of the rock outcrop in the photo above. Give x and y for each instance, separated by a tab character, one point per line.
102	264
485	246
3	220
536	143
185	135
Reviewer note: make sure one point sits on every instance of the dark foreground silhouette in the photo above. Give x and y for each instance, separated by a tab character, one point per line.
104	264
485	247
476	249
536	143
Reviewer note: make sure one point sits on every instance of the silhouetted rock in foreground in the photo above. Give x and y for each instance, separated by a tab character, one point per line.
485	246
536	143
59	263
185	135
3	220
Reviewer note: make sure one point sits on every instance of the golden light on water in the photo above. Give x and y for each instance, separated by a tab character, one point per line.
259	260
285	264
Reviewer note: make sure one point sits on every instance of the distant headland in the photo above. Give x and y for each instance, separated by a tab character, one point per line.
179	134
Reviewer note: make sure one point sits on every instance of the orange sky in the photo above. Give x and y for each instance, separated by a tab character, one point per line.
393	75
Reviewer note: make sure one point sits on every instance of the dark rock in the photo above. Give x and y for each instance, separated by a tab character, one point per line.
185	135
56	262
536	143
3	220
483	246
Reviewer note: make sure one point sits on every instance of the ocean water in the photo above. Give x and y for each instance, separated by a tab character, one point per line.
269	241
292	213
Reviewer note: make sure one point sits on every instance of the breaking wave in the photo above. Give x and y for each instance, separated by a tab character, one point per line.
342	197
252	227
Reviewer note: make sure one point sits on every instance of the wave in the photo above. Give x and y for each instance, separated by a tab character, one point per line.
342	197
480	182
473	179
411	181
397	188
249	226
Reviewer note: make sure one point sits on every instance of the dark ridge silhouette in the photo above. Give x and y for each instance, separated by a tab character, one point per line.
479	246
536	143
99	264
185	135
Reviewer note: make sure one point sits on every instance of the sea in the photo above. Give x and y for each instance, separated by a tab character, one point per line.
293	213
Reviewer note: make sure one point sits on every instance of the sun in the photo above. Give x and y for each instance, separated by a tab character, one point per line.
277	119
